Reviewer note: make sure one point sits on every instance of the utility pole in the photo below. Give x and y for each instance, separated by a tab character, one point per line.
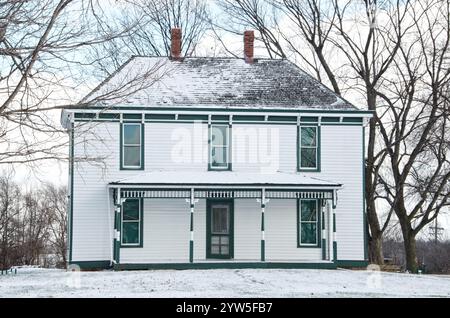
436	231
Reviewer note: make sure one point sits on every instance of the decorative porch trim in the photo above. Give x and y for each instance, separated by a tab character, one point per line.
224	194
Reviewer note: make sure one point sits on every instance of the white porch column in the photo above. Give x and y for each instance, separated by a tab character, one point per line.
263	202
333	207
117	226
192	202
329	215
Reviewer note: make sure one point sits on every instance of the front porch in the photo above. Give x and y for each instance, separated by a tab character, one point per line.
232	222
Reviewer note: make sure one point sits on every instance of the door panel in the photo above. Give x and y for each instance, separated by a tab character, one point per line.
219	229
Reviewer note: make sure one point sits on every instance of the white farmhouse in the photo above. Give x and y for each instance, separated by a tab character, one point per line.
215	163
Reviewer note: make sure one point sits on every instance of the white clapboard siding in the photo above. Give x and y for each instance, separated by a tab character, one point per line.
166	233
176	146
341	162
200	230
264	148
281	233
247	229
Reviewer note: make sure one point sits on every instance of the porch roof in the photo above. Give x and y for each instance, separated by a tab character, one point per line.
224	179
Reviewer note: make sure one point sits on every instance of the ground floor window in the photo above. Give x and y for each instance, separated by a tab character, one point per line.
132	223
308	223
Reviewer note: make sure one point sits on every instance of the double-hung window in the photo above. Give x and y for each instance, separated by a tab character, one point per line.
132	146
131	223
219	147
309	151
308	223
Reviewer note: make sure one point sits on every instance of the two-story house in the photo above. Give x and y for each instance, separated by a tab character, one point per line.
216	163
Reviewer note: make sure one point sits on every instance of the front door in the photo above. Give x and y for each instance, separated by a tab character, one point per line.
220	229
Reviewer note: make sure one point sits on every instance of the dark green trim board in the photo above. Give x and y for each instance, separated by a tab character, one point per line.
84	115
92	265
318	227
71	171
141	224
350	263
142	167
225	265
352	120
365	225
309	119
248	118
319	144
113	116
136	117
335	251
209	203
234	109
159	117
193	117
330	119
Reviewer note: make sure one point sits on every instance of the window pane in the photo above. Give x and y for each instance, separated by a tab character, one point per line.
219	157
220	220
308	210
132	156
130	233
224	250
219	135
131	134
308	233
308	136
308	158
131	210
215	249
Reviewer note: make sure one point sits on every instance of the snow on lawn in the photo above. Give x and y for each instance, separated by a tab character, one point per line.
33	282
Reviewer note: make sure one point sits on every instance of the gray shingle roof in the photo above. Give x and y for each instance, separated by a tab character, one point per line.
223	82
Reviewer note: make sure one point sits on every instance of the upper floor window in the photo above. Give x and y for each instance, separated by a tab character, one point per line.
309	150
132	146
219	158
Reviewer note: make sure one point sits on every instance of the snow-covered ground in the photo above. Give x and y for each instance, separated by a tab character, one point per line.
33	282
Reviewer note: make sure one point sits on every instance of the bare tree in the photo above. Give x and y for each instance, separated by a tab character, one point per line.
394	55
414	124
149	24
54	201
46	65
10	199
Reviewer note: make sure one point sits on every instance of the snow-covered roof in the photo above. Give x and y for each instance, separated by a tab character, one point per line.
224	178
215	82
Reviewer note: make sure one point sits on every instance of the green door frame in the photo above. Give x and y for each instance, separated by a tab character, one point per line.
209	204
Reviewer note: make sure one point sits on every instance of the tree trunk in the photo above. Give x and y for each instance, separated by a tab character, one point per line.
410	252
376	249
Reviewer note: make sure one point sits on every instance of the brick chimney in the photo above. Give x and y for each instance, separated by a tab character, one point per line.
249	39
175	48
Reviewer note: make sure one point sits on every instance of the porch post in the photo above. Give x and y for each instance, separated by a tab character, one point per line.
334	225
323	207
263	236
117	226
192	202
330	231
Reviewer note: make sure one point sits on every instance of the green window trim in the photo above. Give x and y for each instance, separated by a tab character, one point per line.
316	147
139	221
317	222
226	147
139	144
